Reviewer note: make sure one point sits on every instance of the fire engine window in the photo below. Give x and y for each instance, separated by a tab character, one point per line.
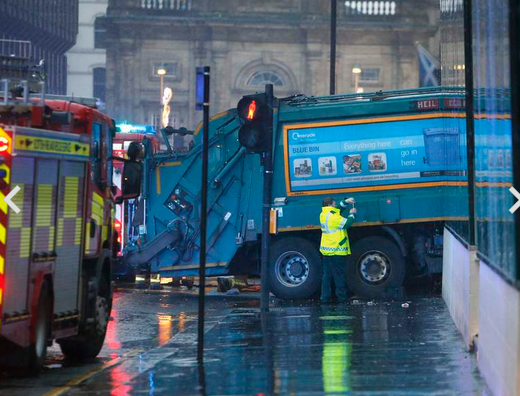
107	137
96	153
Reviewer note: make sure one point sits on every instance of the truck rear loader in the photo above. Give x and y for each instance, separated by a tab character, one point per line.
392	151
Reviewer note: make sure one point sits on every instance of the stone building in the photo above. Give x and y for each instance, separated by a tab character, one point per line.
87	59
40	30
249	43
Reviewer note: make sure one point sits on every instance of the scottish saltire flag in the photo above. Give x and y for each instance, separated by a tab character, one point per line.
428	68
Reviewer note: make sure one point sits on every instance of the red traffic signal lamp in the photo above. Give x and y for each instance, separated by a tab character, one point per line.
254	116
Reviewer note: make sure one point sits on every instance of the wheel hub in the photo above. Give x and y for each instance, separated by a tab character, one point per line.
292	269
374	267
296	268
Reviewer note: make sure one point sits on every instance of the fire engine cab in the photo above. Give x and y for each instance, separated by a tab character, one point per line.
57	240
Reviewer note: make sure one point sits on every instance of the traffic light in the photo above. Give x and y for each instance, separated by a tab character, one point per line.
255	117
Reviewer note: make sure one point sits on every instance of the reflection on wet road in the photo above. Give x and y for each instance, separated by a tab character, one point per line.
367	348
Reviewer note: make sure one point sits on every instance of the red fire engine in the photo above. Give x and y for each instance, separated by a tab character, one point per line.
57	240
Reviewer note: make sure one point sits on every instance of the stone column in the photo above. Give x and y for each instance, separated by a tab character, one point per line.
313	80
220	82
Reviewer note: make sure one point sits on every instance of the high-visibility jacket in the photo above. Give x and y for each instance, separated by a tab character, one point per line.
334	237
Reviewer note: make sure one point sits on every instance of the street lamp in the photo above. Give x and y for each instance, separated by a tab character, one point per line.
161	71
356	70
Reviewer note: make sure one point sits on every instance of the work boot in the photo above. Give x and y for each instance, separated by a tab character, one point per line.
224	284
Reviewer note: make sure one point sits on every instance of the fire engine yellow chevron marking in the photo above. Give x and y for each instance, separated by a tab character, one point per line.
25	242
52	230
2	265
2	233
87	237
59	239
77	231
71	197
98	199
44	205
3	205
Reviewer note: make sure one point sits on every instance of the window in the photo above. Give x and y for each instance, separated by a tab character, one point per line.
365	7
107	152
370	75
96	154
172	69
265	77
99	83
99	34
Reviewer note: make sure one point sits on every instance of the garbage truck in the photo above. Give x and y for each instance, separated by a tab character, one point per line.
400	154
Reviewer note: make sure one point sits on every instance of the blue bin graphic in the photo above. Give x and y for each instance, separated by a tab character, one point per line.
442	146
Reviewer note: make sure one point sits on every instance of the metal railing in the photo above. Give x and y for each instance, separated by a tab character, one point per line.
15	48
172	5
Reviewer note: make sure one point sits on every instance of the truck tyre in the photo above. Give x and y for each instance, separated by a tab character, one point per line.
86	345
38	350
375	266
295	269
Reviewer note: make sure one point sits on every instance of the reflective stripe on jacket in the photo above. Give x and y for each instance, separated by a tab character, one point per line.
334	237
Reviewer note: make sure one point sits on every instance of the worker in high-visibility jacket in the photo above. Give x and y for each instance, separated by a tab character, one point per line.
335	247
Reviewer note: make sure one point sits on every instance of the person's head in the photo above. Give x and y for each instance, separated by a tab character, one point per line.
328	201
135	151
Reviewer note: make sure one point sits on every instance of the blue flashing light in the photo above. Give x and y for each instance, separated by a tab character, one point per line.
125	127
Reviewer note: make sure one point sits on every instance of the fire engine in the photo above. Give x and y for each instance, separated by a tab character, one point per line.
57	240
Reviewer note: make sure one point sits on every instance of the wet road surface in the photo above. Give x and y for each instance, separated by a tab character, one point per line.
368	348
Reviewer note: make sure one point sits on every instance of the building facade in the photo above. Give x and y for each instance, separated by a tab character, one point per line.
86	75
40	30
249	43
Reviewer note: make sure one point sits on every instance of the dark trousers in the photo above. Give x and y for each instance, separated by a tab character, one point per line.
334	269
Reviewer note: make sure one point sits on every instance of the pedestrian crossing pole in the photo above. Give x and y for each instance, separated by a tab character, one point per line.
203	86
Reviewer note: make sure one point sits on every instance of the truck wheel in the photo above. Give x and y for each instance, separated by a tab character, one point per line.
295	269
375	265
38	350
87	345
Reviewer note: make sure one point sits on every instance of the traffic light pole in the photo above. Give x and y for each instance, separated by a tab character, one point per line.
203	217
268	182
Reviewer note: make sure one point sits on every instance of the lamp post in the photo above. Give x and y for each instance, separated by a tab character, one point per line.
161	71
333	32
356	70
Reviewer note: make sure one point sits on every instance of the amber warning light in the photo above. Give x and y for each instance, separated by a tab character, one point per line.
252	110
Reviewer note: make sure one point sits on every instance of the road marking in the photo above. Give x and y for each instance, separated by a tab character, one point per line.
82	378
513	208
10	196
146	361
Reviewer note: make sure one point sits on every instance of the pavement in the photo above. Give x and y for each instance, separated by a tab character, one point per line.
364	348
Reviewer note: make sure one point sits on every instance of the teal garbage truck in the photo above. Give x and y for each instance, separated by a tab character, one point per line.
400	154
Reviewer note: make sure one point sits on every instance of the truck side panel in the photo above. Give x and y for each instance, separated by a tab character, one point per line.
399	170
45	212
19	237
68	238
